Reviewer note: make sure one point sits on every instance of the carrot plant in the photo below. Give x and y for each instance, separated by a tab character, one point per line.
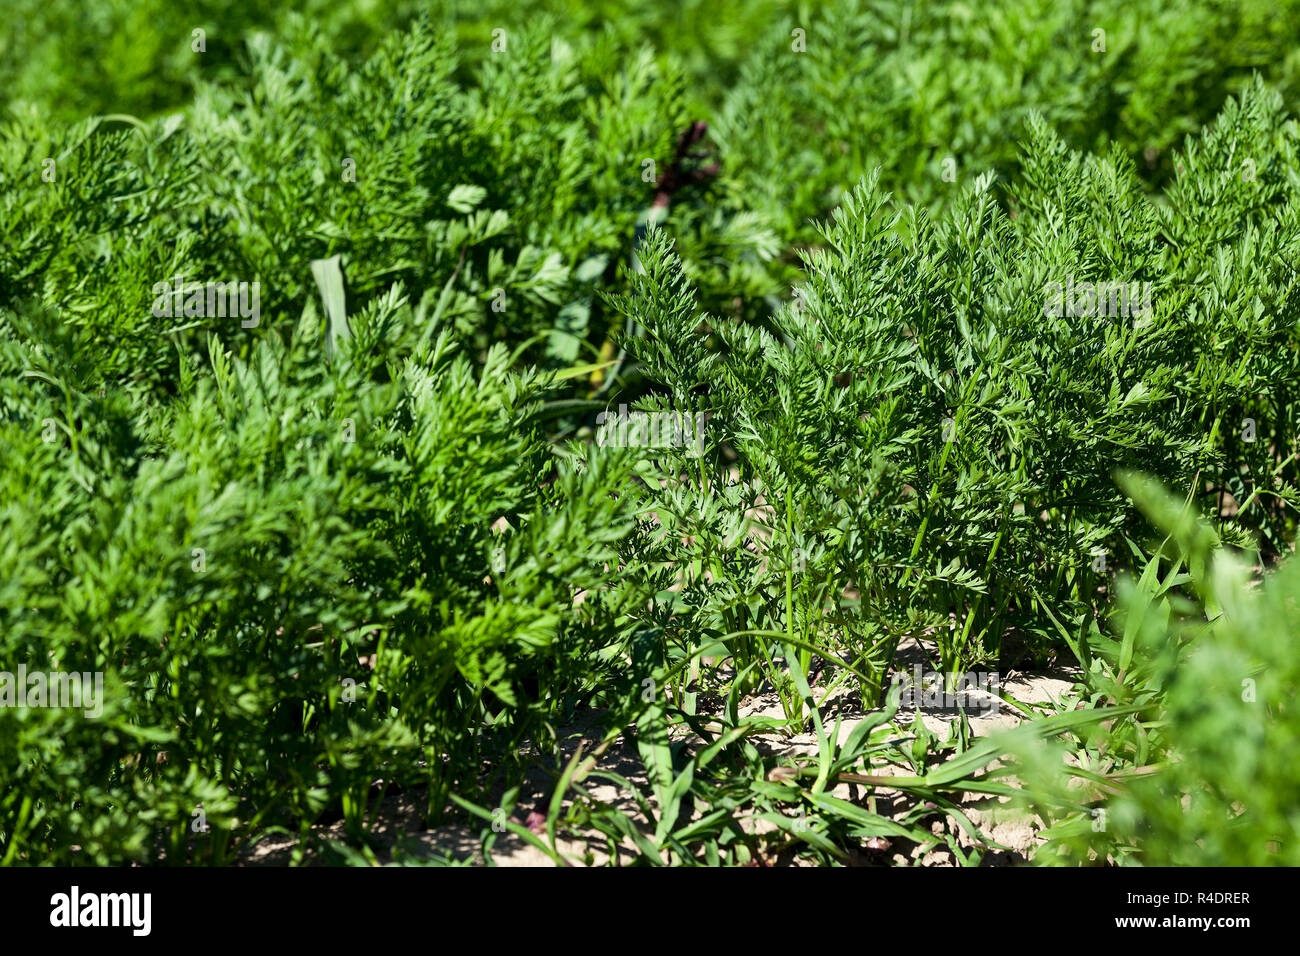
918	447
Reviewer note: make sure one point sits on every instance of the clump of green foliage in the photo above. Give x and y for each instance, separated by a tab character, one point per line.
1202	771
283	531
505	205
926	450
938	94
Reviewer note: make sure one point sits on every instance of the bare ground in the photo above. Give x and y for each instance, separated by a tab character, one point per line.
400	834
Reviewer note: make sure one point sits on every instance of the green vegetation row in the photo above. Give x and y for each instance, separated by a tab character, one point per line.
364	534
